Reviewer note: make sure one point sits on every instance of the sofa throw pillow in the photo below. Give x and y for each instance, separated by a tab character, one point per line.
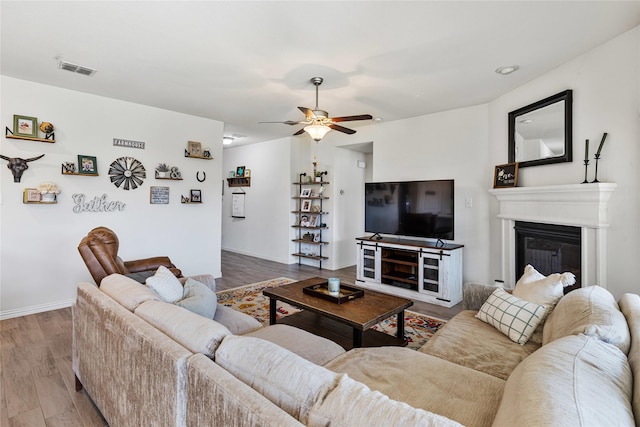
540	289
512	316
199	299
166	284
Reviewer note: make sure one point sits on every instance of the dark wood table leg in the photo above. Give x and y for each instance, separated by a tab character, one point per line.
272	311
357	338
400	323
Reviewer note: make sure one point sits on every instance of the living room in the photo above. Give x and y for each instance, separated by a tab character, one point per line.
463	144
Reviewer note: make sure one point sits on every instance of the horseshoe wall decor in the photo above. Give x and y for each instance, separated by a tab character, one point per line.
204	176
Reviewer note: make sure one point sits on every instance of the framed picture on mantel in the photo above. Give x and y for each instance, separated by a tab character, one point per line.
506	175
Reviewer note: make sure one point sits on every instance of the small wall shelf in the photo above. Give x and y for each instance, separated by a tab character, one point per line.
79	174
170	179
239	182
309	242
9	135
198	157
191	203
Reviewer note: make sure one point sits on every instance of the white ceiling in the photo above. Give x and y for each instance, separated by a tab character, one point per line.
242	62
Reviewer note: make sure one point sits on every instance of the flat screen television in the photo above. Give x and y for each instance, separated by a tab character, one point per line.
411	208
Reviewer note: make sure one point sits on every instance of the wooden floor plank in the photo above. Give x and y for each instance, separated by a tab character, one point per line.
53	395
32	418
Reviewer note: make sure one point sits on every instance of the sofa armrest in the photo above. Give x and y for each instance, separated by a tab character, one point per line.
475	294
146	264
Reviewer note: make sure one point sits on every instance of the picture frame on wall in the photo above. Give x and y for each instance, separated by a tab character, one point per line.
195	148
506	175
196	196
25	126
31	195
240	172
87	165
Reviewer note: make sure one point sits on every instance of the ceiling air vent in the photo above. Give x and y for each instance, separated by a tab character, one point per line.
68	66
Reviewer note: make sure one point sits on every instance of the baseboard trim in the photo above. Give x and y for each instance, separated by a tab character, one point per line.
34	309
255	255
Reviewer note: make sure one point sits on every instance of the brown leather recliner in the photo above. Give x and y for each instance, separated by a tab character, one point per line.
99	250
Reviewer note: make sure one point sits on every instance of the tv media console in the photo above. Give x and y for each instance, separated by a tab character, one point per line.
422	271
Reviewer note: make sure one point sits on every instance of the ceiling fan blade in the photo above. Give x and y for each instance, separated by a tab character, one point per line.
308	112
288	122
352	118
300	132
342	129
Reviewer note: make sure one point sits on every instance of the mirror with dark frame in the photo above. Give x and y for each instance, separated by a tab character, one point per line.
540	133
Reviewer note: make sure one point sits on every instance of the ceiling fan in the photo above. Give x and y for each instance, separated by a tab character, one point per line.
318	122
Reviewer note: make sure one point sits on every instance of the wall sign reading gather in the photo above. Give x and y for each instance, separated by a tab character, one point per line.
98	204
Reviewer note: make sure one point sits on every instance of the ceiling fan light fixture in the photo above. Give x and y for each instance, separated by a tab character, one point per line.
317	132
227	140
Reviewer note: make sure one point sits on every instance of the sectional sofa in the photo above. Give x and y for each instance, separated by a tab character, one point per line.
147	362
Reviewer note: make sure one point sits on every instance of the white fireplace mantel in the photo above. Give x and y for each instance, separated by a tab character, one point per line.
579	205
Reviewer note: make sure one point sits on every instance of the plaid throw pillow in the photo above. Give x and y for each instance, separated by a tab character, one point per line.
514	317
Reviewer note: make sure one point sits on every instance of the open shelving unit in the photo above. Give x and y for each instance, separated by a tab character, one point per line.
309	248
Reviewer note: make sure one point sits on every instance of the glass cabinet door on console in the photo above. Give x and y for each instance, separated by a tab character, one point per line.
440	274
368	262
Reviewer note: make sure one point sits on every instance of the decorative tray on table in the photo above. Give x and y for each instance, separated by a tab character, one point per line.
321	290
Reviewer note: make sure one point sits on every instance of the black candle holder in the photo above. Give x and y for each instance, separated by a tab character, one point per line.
596	176
586	166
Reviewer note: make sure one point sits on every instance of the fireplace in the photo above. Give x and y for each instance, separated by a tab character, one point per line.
549	248
583	206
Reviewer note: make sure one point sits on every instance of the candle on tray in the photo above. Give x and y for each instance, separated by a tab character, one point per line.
604	136
586	149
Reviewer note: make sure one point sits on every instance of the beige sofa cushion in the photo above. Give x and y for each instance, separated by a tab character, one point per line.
286	379
630	307
592	311
305	344
468	341
426	382
195	332
238	323
126	291
217	398
577	380
353	404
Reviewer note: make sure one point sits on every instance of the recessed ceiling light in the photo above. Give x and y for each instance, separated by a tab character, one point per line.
507	69
226	140
377	119
526	121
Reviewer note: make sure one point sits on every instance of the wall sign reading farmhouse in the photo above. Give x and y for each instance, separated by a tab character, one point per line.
117	142
98	204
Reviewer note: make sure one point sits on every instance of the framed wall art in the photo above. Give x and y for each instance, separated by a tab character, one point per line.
25	126
240	172
87	165
196	196
159	195
506	175
195	148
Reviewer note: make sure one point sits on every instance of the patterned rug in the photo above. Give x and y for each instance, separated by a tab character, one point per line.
248	299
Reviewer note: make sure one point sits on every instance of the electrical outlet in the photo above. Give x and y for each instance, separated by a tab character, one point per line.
468	202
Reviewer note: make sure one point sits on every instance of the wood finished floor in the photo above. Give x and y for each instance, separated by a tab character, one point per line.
36	379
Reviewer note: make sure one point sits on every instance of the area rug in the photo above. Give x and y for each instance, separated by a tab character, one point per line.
248	299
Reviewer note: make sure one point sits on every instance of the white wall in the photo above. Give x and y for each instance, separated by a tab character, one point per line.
40	262
268	204
606	98
447	145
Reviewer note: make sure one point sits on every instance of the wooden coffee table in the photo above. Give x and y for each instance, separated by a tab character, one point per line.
347	324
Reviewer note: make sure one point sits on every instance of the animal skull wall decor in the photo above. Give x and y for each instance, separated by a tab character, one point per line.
18	165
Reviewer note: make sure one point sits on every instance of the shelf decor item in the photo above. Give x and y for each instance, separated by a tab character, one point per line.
87	165
240	172
25	126
506	175
48	192
162	170
597	156
69	168
196	196
31	195
195	149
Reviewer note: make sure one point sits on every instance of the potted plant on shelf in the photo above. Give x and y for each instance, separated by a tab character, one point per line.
48	190
162	170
